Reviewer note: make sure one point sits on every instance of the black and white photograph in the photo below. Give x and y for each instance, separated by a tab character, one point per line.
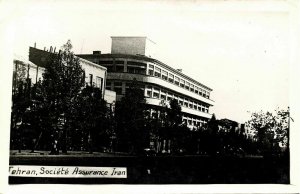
150	92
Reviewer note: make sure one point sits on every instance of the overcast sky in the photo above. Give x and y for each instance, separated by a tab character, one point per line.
241	51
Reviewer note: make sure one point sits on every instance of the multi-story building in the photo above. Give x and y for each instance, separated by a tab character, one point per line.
24	69
130	58
95	74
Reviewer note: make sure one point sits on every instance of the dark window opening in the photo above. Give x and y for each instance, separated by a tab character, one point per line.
119	68
105	62
118	91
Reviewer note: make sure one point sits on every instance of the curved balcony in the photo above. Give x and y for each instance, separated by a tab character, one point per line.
159	82
157	102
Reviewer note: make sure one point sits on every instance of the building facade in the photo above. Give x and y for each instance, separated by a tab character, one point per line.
95	74
24	69
129	60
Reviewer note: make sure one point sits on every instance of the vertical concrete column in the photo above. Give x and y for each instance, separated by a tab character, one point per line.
147	67
125	66
145	91
159	92
151	92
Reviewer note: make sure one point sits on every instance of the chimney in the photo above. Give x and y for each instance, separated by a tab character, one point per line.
35	45
50	49
96	52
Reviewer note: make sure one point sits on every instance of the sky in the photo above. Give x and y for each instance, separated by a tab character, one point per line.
239	49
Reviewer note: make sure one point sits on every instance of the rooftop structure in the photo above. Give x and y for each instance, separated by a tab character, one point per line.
129	60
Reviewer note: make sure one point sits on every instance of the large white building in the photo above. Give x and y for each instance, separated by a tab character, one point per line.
95	74
131	58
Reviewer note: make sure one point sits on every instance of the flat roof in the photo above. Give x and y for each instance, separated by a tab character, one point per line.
134	37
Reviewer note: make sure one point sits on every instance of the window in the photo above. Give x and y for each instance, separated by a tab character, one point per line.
120	68
141	71
204	94
181	102
130	69
108	85
109	68
118	87
171	78
118	84
149	93
91	79
195	106
137	64
182	83
136	67
155	93
189	122
190	105
163	95
177	80
119	62
187	85
105	62
196	89
151	70
164	75
157	72
186	104
99	81
192	88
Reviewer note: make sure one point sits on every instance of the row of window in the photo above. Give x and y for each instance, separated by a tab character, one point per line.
152	70
98	81
167	76
118	88
194	123
154	92
187	120
118	66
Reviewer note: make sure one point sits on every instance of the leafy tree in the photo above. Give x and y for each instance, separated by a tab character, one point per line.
91	119
171	127
131	120
213	136
21	101
271	129
63	80
174	114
